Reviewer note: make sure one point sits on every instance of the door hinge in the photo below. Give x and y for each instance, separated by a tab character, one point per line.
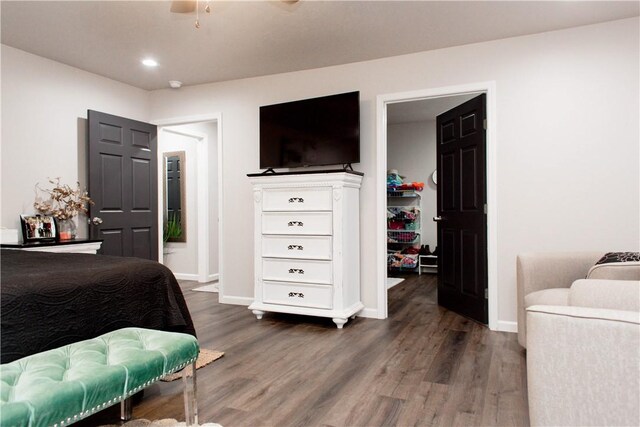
486	293
485	208
484	124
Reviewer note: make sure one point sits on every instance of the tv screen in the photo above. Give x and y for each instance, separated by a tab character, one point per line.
311	132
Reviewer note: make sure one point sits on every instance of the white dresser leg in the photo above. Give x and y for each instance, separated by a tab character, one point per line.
339	322
258	313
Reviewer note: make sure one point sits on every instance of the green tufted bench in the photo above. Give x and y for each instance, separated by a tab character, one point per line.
59	387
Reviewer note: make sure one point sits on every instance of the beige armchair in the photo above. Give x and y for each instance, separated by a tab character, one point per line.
583	359
545	278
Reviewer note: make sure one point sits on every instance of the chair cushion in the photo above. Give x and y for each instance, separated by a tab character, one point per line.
615	271
552	296
58	387
616	266
610	294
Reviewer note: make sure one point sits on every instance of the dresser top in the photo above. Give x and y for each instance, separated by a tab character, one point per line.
316	172
317	179
47	243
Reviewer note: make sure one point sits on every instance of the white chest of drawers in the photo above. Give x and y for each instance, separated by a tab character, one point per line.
307	245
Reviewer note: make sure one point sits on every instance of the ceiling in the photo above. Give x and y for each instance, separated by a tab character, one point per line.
248	39
424	109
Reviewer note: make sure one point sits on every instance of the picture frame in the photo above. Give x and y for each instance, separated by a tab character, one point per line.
38	228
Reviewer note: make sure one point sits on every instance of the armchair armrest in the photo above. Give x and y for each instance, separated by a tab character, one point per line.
583	366
544	270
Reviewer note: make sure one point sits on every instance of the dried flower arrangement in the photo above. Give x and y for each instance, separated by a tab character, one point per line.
64	202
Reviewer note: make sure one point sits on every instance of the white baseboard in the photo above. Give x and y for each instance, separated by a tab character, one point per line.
370	313
507	326
186	276
236	300
213	277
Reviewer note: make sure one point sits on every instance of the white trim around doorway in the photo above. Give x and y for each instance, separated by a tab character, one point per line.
489	88
204	276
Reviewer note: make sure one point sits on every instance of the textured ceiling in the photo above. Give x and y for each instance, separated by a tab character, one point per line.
247	39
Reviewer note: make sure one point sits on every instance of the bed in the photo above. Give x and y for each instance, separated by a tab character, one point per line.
53	299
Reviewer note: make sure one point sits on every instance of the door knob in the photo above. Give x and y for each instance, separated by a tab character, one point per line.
437	218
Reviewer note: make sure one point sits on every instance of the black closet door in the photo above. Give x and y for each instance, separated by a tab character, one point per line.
462	221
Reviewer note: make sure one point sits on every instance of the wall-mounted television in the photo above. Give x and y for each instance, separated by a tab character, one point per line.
311	132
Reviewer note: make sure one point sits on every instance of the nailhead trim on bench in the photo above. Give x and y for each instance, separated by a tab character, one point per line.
121	398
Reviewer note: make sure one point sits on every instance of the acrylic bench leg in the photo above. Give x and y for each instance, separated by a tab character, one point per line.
126	410
190	397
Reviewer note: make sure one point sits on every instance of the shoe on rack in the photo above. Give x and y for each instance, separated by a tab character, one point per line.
424	250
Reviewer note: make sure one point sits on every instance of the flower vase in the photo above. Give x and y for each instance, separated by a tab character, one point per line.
66	229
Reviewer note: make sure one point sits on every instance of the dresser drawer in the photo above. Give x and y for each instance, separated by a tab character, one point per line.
306	247
297	199
318	223
297	294
296	270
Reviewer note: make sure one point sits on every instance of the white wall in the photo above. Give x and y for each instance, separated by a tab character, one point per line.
182	257
44	111
567	141
411	149
567	111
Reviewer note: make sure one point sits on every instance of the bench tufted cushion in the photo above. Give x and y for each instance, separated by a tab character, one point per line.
57	387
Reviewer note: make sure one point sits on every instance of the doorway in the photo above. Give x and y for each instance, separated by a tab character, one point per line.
413	107
190	197
184	189
412	235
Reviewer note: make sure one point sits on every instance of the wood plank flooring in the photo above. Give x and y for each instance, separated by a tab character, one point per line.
424	366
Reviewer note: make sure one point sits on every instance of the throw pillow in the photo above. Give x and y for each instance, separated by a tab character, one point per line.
610	257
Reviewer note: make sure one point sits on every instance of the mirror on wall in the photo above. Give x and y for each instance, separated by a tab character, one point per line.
175	206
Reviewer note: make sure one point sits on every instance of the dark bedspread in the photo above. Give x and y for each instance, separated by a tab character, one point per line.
52	299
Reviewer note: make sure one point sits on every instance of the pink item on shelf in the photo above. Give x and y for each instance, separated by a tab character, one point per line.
396	225
411	250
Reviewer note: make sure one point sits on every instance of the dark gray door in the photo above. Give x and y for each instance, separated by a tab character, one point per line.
123	182
462	225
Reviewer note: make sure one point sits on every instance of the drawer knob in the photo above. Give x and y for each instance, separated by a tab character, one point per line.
296	270
292	247
296	223
296	200
296	294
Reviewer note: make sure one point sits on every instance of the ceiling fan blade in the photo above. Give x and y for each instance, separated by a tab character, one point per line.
183	6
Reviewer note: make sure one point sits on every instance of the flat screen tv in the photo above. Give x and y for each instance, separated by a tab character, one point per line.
311	132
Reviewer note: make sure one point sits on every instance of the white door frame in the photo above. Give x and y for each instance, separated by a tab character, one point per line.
203	208
381	186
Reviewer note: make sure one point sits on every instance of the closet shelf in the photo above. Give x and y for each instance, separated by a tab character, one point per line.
402	236
403	193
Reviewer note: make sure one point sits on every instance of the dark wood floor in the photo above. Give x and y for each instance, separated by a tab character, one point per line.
424	366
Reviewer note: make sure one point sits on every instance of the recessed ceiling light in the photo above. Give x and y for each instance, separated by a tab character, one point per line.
150	62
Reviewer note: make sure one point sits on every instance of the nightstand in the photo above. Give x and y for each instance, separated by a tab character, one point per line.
80	246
